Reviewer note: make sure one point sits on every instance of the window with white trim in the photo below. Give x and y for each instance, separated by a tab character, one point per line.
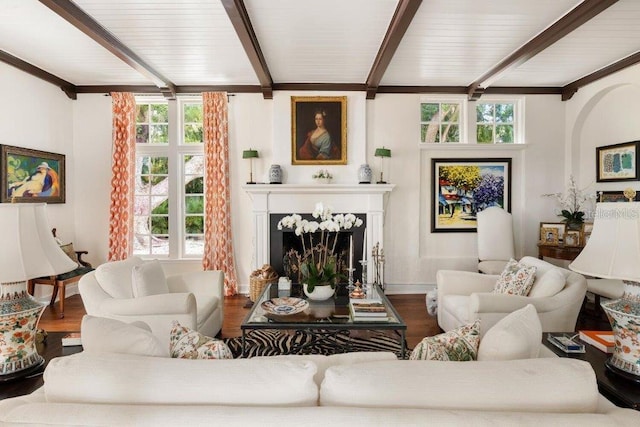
440	122
490	120
495	122
169	179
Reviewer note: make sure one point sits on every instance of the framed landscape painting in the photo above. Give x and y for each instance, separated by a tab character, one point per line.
463	187
618	162
31	176
319	130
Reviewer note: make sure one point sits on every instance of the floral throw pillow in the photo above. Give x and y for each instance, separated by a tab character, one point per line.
185	343
515	279
459	344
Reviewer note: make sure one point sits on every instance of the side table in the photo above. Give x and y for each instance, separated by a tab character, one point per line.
618	390
567	253
50	349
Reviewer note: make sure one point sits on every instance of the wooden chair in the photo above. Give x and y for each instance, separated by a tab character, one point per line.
60	281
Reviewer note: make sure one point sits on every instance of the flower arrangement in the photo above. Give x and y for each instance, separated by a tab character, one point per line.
573	202
318	261
322	174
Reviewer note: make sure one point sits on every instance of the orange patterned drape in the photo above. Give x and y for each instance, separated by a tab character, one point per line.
122	176
218	246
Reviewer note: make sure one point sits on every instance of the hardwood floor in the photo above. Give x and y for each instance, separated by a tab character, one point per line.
411	307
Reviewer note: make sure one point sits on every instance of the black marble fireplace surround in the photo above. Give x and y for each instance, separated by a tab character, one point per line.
281	241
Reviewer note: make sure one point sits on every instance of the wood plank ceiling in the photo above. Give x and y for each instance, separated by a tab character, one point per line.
376	46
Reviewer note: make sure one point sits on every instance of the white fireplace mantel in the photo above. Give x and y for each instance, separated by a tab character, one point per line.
269	199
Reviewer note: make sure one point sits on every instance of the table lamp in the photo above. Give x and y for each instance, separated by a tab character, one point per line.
613	252
382	153
250	154
29	250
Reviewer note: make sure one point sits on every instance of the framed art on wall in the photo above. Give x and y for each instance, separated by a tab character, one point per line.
618	162
463	187
319	130
31	176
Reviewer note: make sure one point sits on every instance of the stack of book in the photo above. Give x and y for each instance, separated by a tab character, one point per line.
71	339
368	310
602	340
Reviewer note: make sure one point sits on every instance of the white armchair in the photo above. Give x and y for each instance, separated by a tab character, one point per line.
194	299
464	296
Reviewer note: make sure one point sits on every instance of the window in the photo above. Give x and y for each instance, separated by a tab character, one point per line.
495	122
440	122
169	179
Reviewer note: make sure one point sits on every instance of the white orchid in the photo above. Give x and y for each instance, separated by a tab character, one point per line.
321	253
573	201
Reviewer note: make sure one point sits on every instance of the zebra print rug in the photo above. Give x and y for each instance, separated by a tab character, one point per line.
270	342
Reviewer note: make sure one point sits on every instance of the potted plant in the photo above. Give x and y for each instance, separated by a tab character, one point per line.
572	204
322	176
318	271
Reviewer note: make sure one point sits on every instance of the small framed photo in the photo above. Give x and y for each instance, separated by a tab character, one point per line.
549	236
587	227
618	162
614	196
586	238
572	238
560	229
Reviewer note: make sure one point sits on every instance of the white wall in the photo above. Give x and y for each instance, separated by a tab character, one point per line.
412	252
92	149
560	140
37	115
603	113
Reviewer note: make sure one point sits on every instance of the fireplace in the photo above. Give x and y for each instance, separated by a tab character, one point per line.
365	200
284	243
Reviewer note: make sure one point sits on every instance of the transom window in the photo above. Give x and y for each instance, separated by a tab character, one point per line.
460	121
495	122
169	179
440	122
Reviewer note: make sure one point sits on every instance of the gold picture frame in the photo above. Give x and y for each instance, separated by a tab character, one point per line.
318	130
549	236
573	238
560	228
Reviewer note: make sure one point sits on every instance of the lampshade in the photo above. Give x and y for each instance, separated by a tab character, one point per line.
250	154
382	152
29	250
613	252
613	249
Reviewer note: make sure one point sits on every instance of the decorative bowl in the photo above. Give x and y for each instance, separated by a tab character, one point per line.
284	306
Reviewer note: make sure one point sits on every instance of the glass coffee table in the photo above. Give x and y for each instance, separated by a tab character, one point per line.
321	319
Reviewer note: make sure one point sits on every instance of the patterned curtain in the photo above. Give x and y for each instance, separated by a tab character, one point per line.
218	246
122	176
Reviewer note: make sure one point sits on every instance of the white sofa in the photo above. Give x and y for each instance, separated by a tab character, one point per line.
195	299
464	296
120	389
